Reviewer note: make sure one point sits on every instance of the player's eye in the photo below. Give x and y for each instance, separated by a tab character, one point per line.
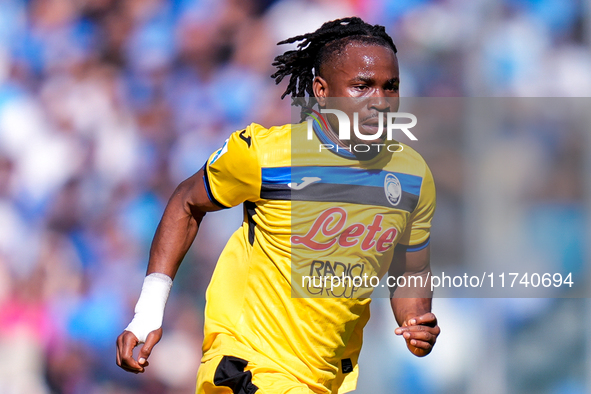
393	87
360	87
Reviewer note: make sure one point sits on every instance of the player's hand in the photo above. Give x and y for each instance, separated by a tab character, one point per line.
420	333
127	341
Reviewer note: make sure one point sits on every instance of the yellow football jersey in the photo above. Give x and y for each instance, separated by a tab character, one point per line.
310	211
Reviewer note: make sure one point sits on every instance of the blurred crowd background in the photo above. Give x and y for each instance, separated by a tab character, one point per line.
106	105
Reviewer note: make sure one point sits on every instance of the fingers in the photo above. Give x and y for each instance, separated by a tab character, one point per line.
419	336
416	334
412	329
420	333
420	351
428	319
152	339
420	341
126	342
425	342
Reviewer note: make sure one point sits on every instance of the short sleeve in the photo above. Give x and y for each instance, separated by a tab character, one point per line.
418	229
232	173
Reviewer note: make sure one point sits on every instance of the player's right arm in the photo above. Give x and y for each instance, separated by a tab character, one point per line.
231	176
174	235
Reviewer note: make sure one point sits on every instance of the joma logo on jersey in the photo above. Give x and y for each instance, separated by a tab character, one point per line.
331	224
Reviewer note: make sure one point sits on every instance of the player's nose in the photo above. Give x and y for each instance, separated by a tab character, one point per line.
379	101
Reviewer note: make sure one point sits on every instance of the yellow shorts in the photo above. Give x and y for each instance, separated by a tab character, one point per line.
234	375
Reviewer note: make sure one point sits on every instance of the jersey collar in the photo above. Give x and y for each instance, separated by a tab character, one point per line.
323	137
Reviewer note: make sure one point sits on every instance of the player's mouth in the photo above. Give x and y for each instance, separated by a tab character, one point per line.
371	126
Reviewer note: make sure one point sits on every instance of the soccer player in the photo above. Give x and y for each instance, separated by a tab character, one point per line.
327	212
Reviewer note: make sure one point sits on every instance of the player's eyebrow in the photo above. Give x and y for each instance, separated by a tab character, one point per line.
370	80
393	80
362	78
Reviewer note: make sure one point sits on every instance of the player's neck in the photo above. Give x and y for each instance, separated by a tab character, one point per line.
333	136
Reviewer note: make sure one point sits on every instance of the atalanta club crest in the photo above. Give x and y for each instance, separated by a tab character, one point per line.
393	189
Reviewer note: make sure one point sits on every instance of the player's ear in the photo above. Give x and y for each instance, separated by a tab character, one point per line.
320	88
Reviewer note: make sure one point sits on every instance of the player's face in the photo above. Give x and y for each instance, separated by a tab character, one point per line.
368	76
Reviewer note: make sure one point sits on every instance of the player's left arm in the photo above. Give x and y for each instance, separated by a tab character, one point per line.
411	303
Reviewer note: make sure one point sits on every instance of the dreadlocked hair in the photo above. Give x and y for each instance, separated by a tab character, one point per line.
315	48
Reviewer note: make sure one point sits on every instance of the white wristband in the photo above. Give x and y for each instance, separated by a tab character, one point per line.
149	309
